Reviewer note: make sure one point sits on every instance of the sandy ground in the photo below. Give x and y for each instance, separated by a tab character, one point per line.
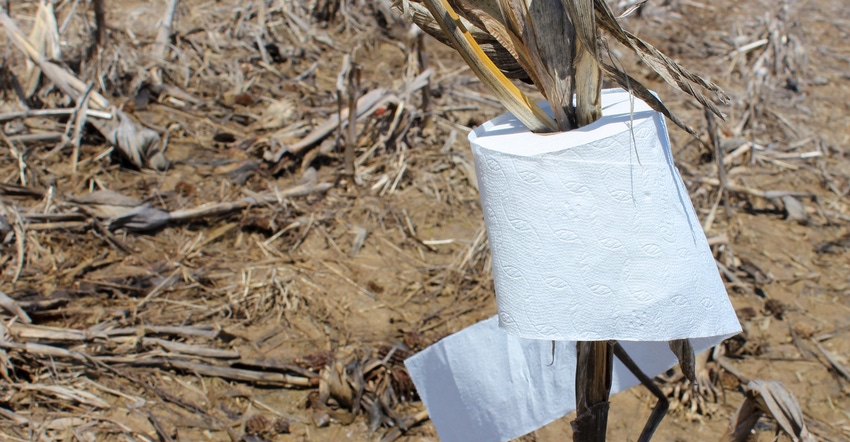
303	295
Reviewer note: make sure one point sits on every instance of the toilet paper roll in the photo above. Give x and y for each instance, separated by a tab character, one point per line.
592	233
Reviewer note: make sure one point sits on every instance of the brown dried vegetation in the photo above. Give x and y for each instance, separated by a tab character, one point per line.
250	287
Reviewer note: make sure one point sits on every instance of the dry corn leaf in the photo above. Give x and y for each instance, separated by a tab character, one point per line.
771	398
79	396
140	219
44	37
523	108
106	198
122	212
504	29
639	90
684	352
588	74
138	144
488	43
668	69
546	62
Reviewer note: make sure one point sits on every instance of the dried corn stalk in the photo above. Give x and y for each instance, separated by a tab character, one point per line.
44	37
518	103
553	44
137	144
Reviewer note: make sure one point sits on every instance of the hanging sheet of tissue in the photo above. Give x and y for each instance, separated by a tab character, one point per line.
484	385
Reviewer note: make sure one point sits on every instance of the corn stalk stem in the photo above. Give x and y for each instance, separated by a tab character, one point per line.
594	366
100	21
587	82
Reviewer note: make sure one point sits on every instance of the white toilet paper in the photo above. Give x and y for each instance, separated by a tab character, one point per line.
593	237
592	233
484	385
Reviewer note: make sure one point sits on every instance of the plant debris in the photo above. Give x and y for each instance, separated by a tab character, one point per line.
185	255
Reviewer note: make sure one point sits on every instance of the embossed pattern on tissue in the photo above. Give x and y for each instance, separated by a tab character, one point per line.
589	236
